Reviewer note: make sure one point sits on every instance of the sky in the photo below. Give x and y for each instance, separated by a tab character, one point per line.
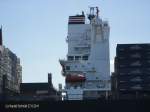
36	30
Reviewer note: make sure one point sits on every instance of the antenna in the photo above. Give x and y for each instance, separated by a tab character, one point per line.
93	14
97	11
83	13
1	36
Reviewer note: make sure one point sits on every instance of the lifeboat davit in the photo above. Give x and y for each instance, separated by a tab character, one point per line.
75	78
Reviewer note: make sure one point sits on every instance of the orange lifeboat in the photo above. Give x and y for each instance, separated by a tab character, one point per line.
75	78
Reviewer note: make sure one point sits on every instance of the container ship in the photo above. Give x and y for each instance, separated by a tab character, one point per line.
87	74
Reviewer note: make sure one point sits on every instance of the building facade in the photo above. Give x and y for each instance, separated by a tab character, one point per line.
39	91
10	71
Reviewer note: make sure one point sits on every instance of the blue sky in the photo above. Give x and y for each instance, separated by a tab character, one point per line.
36	30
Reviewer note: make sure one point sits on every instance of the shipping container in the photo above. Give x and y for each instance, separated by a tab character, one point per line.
132	47
131	78
133	71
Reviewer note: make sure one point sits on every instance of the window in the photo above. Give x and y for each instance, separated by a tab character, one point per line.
84	57
75	87
67	67
105	24
76	49
81	85
77	57
75	66
70	58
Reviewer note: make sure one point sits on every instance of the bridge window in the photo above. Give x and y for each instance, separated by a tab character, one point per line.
70	58
105	24
84	57
77	57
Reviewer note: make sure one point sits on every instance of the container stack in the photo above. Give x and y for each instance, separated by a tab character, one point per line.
132	70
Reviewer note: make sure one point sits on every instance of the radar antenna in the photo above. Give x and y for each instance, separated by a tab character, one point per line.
93	14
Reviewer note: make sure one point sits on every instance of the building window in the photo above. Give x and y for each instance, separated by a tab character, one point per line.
84	57
70	58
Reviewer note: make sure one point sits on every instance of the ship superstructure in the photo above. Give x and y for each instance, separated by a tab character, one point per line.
87	67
